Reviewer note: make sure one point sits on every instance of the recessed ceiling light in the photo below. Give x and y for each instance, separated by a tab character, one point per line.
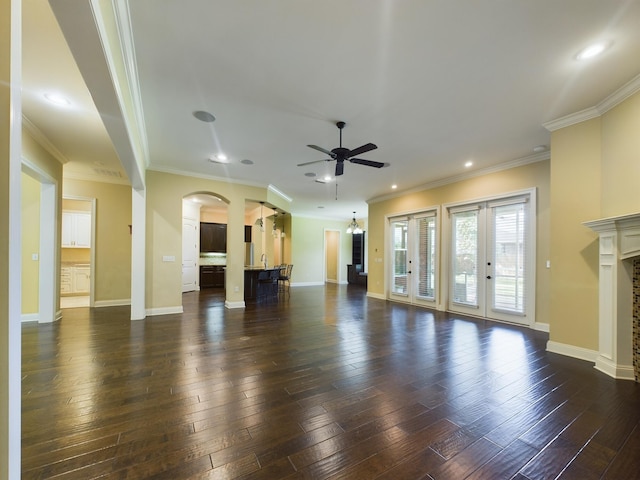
468	164
219	158
327	178
57	99
204	116
539	148
246	161
394	186
320	206
309	174
591	51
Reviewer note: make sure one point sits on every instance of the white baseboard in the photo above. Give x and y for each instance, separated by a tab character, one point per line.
230	305
572	351
620	372
164	310
379	296
541	327
112	303
307	284
30	317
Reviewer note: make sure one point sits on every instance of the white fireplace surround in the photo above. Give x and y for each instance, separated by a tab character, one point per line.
619	242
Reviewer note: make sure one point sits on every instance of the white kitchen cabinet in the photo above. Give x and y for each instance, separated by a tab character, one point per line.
66	282
76	230
81	279
75	279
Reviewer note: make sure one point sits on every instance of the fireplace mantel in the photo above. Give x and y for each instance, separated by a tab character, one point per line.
619	241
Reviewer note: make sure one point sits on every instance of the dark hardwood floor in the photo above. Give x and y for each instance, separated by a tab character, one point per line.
326	383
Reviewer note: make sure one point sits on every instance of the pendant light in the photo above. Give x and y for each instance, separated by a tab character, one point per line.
274	232
260	221
353	226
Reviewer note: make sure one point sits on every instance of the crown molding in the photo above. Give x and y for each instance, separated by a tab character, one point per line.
43	140
617	97
174	171
88	177
518	162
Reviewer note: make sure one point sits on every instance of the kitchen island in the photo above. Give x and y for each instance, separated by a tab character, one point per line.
251	283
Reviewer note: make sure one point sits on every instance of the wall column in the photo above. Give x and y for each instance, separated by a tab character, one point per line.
138	259
10	255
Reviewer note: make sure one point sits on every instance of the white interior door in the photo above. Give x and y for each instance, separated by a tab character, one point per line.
190	255
491	263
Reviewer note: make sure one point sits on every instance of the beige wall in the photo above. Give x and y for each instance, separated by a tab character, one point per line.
595	167
164	234
9	365
112	267
30	219
575	198
307	249
47	165
621	158
535	175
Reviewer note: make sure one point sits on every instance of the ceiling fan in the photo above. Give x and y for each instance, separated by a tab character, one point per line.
340	154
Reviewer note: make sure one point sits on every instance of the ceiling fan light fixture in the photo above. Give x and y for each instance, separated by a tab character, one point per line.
353	227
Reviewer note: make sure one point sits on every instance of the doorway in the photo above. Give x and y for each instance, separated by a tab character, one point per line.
332	256
39	252
491	260
413	258
77	256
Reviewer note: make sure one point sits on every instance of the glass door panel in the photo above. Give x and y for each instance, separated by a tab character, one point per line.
399	267
465	258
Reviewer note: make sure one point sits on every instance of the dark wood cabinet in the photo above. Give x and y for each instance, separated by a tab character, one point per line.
213	237
211	276
357	249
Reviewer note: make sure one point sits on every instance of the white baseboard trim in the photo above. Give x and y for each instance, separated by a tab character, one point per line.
329	280
307	284
230	305
30	317
379	296
164	310
572	351
112	303
541	327
620	372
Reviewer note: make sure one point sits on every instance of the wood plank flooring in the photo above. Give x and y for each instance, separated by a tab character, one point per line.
325	383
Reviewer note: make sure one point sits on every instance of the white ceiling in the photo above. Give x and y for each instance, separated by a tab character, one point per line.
434	83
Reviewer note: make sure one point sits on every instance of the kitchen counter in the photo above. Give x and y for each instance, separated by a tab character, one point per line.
251	273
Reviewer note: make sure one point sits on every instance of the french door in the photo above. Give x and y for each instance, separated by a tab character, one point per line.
413	262
491	262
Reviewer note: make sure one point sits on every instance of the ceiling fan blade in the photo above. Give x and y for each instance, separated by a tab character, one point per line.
368	163
339	168
320	149
363	149
315	161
